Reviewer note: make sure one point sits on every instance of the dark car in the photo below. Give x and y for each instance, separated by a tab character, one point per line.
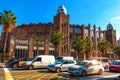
15	63
12	64
114	65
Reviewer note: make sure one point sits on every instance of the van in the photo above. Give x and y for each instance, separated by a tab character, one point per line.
40	61
64	57
103	60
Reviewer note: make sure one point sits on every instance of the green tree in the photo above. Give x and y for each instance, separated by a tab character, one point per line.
88	47
117	50
56	39
37	40
104	46
79	45
7	19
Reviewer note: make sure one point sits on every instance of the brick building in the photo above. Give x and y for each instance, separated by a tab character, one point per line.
21	41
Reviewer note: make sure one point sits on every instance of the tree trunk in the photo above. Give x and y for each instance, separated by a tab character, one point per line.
84	56
88	55
78	56
56	52
37	50
4	48
119	56
102	53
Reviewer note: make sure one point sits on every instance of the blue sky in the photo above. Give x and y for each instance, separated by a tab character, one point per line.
99	12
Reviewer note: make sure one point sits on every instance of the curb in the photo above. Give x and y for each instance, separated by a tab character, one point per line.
7	74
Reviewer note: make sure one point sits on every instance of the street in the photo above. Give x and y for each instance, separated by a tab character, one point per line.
43	74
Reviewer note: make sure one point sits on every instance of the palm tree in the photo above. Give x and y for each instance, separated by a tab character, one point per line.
7	19
56	39
104	46
78	45
117	50
38	40
88	47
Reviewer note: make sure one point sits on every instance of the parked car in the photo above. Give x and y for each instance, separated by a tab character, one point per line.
61	65
115	66
103	60
86	67
12	64
64	57
20	63
40	61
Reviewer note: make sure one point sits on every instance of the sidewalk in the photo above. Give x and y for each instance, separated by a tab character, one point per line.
2	77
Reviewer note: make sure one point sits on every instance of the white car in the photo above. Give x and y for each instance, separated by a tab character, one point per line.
103	60
61	65
86	67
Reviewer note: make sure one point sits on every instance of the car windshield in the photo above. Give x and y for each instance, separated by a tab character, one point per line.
83	63
29	59
104	60
116	62
59	61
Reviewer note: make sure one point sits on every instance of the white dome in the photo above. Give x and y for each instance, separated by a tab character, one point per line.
62	9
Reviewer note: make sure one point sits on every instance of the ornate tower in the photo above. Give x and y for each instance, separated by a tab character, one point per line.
111	35
61	23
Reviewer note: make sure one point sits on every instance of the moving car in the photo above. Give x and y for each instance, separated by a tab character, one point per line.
86	67
115	66
104	61
40	61
61	65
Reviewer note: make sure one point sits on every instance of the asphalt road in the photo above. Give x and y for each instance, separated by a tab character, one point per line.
43	74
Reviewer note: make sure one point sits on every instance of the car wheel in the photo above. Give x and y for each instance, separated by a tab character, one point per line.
110	70
83	74
15	66
58	70
100	72
30	67
106	66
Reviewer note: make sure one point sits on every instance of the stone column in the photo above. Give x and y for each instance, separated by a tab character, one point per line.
83	31
99	34
89	32
95	41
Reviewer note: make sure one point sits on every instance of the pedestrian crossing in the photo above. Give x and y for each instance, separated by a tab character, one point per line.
39	75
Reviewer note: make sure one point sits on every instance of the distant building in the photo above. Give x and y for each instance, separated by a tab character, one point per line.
118	42
21	39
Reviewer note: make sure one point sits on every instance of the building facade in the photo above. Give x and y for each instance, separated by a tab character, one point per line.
21	41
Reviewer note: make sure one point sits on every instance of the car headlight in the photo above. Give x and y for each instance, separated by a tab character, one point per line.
24	64
80	69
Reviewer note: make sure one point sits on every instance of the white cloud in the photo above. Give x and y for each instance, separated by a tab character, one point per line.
115	20
118	36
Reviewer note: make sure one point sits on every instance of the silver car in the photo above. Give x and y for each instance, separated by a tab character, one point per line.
86	67
61	65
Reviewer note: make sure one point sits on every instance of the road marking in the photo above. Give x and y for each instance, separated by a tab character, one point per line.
7	74
43	76
52	76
